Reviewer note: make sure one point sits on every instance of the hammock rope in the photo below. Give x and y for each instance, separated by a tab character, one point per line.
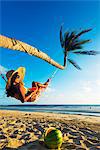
2	76
54	73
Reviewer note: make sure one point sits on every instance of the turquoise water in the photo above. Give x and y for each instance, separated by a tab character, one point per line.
63	109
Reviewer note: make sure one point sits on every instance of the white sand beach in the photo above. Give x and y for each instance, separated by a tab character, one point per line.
24	130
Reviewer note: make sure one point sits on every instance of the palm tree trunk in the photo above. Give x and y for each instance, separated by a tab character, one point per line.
65	60
14	44
65	56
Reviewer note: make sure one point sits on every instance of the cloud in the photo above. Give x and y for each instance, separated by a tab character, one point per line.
48	92
81	91
98	82
4	100
89	91
86	92
3	70
87	86
50	89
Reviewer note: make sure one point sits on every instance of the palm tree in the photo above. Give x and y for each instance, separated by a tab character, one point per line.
71	43
14	44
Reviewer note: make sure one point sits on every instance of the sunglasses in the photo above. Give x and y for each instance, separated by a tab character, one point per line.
18	76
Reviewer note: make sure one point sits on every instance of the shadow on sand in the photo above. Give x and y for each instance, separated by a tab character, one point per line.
35	145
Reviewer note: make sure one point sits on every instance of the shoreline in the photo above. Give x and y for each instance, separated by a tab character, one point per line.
84	113
24	130
23	111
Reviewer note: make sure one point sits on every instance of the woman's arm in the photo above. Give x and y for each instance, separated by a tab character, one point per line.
29	96
22	92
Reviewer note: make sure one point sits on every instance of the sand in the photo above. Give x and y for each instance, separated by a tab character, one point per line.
24	130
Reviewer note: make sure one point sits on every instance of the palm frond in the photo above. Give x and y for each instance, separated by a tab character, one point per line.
66	35
71	40
68	39
74	64
87	52
83	42
78	44
82	32
75	47
61	38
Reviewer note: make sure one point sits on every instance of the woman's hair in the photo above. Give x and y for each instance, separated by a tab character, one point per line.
12	88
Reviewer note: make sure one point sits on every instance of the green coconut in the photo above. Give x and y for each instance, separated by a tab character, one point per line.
53	138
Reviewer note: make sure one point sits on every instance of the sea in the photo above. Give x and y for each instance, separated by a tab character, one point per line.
92	110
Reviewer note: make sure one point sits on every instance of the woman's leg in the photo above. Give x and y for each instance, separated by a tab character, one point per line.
35	96
47	82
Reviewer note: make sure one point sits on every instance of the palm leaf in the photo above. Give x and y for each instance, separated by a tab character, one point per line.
71	41
74	64
68	39
61	38
75	47
87	52
82	32
78	44
66	35
83	42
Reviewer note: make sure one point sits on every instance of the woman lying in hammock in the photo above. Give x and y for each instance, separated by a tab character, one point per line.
15	86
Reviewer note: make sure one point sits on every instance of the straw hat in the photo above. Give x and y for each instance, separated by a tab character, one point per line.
21	73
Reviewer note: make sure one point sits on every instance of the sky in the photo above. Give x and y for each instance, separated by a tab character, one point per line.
38	23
